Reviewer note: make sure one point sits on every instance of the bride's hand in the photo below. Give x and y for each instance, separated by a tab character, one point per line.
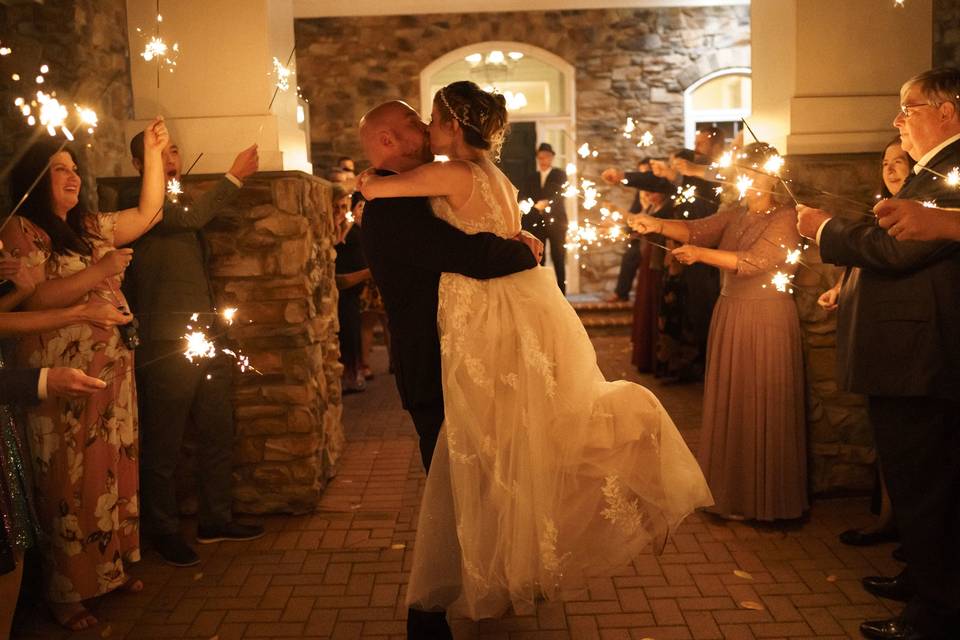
687	254
363	183
643	223
535	245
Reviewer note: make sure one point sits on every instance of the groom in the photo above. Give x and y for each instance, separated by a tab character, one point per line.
407	248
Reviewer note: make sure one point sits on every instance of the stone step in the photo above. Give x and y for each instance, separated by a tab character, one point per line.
598	315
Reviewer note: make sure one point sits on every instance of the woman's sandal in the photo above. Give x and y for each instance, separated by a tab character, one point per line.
79	620
132	585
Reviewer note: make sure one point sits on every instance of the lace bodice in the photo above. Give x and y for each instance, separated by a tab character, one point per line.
492	206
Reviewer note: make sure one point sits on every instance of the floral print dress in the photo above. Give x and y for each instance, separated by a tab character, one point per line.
84	451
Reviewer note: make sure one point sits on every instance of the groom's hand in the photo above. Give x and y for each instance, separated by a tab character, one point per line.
535	246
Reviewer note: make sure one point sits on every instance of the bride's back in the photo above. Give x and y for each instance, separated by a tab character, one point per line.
491	207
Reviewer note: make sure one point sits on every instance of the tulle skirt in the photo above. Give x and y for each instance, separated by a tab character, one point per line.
544	472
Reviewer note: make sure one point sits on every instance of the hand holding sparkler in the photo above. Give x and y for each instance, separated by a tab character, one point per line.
613	176
828	299
644	223
687	254
113	263
246	163
103	314
155	136
66	382
911	220
809	220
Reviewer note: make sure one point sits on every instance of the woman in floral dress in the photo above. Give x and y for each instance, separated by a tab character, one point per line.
84	451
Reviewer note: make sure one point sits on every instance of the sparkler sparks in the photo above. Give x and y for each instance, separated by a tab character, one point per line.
198	346
773	165
174	190
929	204
686	195
571	169
743	185
726	160
5	51
781	281
526	206
953	177
646	139
629	128
793	256
585	152
282	73
157	49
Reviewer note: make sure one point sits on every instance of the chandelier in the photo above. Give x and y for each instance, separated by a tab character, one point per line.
495	66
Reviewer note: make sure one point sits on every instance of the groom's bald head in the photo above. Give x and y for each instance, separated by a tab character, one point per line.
394	137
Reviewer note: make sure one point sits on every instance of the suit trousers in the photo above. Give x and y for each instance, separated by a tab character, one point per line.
428	421
172	392
555	235
918	440
629	264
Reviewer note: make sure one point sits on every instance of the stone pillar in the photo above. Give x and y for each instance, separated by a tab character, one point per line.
217	96
273	259
826	82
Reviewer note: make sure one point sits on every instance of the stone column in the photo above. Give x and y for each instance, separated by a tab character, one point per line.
272	258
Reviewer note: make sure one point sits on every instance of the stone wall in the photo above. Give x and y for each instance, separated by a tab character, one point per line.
946	33
629	62
273	259
84	42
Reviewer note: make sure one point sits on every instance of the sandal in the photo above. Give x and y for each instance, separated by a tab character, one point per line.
79	620
132	585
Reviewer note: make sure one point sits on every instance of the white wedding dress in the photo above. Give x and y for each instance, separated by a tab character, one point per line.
544	472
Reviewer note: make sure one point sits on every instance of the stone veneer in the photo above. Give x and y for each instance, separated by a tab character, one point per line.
84	42
946	33
629	62
272	257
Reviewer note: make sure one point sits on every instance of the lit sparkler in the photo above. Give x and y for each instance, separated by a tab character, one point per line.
953	177
174	190
743	185
629	128
88	117
793	256
282	74
781	281
585	152
726	160
685	195
646	139
5	51
929	204
526	206
571	169
198	346
773	165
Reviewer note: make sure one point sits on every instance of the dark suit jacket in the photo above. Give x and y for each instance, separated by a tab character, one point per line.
551	190
19	386
407	249
167	279
898	326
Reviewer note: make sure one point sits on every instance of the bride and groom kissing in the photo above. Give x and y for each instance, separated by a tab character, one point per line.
540	472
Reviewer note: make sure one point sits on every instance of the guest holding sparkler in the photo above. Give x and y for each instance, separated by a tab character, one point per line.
547	220
895	166
168	283
351	274
899	343
84	452
753	445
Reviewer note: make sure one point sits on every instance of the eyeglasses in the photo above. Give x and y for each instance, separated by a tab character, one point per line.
905	108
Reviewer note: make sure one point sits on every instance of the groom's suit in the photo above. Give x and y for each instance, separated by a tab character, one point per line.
898	334
407	249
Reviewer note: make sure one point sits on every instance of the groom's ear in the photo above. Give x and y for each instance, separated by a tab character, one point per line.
386	139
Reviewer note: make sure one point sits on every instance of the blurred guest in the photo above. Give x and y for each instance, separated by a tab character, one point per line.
346	165
336	175
372	311
168	282
898	329
753	444
84	452
547	219
895	166
351	275
649	289
630	261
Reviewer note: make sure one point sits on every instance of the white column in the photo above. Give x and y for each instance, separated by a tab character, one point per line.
827	74
216	98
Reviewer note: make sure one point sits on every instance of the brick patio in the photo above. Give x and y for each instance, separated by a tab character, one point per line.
339	573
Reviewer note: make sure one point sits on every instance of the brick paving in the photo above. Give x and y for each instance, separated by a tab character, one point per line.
340	573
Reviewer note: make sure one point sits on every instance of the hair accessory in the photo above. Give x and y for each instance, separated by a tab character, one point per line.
464	120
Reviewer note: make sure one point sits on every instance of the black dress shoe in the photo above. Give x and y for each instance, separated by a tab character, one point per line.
898	555
232	531
892	629
174	550
895	588
858	538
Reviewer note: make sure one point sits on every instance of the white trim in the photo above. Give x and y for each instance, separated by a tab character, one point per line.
718	115
330	8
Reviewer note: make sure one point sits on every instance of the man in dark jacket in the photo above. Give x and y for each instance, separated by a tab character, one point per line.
166	283
407	249
898	342
547	220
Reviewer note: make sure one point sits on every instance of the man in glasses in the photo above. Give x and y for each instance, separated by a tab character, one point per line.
898	342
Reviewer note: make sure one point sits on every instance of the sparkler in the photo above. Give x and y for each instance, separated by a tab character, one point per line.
585	152
283	76
929	204
646	139
629	128
571	169
743	185
5	51
953	177
526	206
198	346
157	49
174	190
781	281
793	256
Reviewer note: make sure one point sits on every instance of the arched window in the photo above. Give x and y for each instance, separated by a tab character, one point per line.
720	98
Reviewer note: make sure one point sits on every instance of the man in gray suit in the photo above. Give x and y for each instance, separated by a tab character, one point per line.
165	284
898	342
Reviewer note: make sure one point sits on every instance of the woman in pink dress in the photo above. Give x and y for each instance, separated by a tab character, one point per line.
753	444
84	451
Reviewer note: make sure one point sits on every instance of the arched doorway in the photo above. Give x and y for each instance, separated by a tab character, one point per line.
541	99
719	98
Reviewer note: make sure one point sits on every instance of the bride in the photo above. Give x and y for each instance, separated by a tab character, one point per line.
544	472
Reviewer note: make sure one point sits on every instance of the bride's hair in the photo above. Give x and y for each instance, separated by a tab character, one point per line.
482	115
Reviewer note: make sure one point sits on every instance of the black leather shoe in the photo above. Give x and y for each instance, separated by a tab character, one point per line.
895	588
892	629
232	531
858	538
174	550
898	555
